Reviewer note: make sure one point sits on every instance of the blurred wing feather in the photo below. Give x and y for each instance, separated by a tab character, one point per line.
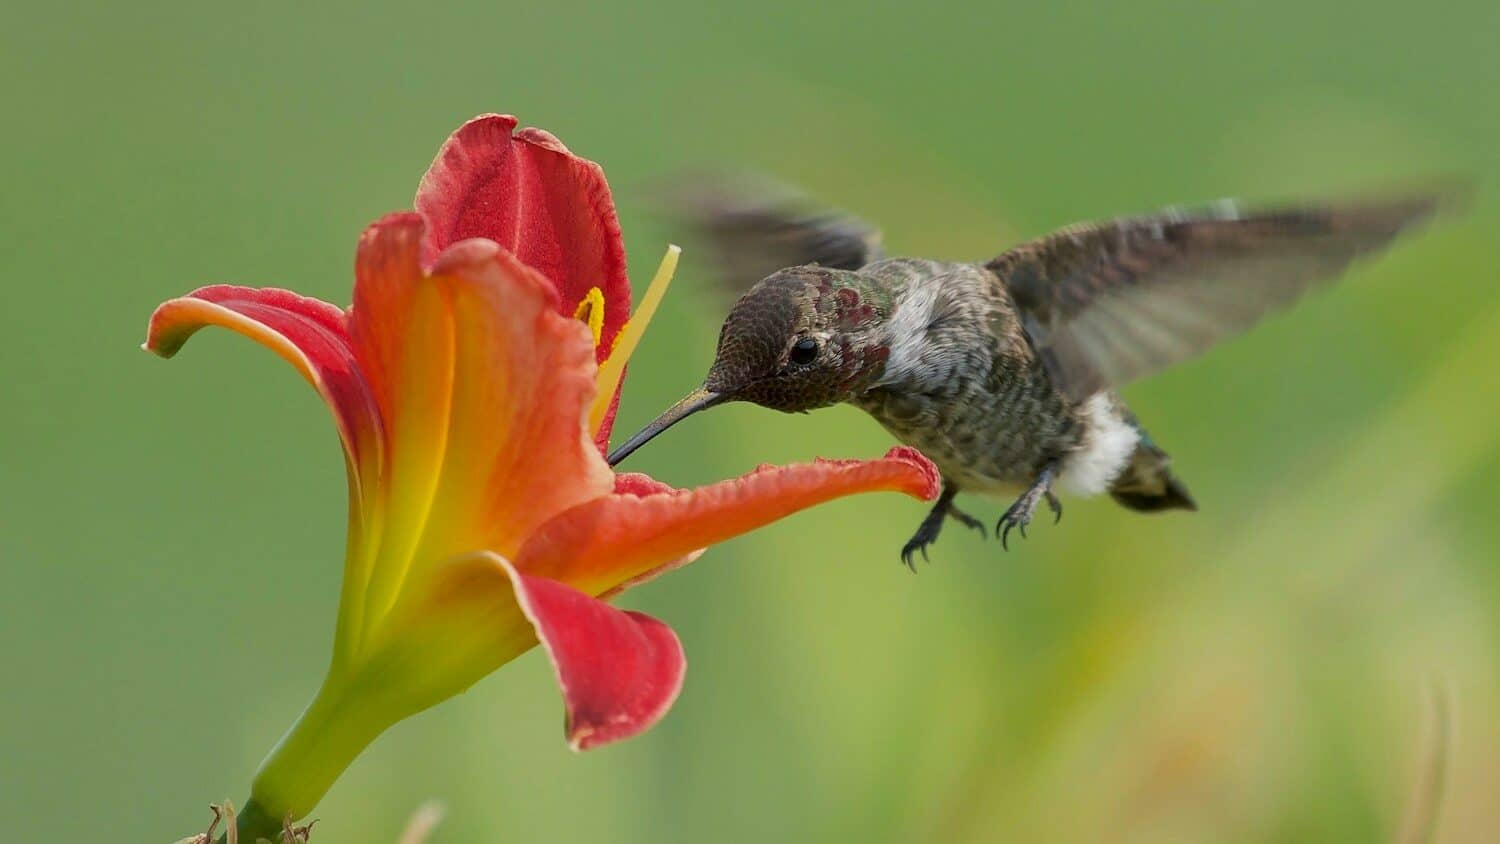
755	227
1109	303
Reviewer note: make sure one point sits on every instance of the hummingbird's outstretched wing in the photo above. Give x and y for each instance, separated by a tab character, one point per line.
755	227
1107	303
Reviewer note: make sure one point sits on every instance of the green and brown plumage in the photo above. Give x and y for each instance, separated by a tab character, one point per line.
1003	372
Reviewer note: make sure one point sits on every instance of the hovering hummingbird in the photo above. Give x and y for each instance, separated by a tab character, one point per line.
1004	372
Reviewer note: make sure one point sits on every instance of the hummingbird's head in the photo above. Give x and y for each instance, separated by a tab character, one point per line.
800	339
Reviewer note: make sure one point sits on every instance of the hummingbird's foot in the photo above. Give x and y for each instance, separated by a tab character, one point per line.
932	525
1019	514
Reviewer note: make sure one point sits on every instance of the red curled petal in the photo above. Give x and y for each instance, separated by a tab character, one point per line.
310	334
622	539
528	193
619	671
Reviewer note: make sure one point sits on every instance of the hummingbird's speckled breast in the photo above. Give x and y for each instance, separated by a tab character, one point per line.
963	384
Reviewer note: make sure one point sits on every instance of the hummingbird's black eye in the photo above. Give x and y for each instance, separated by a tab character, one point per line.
804	351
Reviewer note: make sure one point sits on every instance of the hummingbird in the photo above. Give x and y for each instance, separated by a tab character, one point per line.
1005	372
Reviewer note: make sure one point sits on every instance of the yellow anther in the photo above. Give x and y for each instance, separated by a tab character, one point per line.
591	311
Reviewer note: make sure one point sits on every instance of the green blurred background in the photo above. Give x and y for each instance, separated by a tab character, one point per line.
171	534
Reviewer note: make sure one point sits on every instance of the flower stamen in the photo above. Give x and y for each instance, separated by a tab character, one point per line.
613	368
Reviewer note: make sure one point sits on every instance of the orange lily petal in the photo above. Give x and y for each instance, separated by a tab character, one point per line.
403	339
517	450
483	386
602	545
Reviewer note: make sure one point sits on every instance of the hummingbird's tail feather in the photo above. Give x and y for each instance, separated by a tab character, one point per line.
1147	484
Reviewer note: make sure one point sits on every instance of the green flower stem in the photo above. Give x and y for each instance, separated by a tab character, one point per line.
323	742
254	822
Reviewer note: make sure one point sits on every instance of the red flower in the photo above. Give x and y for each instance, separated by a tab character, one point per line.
473	383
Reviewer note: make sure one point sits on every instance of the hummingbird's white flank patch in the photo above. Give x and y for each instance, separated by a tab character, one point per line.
909	336
1108	443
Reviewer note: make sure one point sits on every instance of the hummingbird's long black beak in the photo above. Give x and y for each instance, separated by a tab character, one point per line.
699	399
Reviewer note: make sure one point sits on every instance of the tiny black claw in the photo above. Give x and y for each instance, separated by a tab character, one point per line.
1056	504
906	552
1008	522
909	552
